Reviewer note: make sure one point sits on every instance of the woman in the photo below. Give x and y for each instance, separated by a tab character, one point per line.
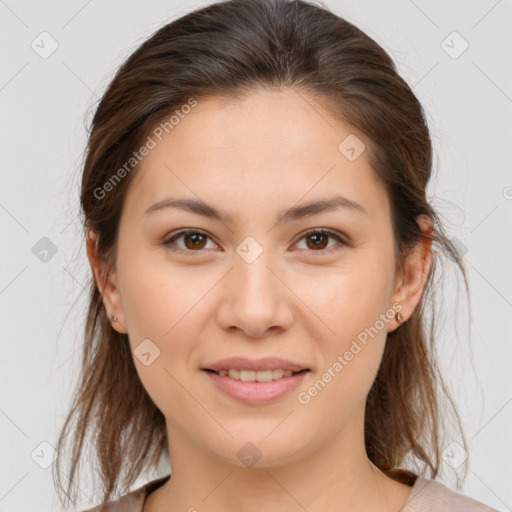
262	250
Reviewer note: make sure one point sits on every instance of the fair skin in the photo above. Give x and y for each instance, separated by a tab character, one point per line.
254	158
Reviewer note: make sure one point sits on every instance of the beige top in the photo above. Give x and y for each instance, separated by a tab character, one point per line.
426	496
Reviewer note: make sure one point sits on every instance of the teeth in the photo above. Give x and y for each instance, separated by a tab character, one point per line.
248	375
256	376
277	374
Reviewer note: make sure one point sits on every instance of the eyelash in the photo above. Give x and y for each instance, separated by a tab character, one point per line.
169	241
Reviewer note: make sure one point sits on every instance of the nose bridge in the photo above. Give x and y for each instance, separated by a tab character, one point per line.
255	299
254	282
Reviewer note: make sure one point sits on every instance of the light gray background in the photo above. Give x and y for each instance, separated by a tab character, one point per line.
45	105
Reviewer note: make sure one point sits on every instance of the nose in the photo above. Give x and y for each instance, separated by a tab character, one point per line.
255	299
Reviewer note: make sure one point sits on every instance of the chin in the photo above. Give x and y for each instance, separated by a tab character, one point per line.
259	450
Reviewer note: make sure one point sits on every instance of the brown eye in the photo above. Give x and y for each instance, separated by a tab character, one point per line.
193	241
317	240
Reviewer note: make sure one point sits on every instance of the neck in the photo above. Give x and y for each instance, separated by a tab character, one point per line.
334	476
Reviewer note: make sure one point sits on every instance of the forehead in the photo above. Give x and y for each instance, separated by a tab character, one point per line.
265	149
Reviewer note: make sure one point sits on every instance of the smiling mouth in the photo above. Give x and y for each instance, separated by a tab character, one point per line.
256	376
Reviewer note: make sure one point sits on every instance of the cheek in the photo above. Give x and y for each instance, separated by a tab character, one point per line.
166	306
157	297
161	320
149	307
351	355
347	301
351	305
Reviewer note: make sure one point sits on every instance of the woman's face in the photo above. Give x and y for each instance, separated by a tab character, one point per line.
253	284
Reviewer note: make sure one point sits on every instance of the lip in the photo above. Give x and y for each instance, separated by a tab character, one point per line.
256	392
267	363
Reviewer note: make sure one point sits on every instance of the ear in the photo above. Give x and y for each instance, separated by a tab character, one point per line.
106	283
411	285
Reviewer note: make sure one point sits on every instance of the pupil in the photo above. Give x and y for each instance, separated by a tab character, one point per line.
316	236
196	237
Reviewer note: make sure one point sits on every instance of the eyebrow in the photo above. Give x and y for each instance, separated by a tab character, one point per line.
294	213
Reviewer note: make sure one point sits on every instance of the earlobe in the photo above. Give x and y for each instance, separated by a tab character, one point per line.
422	258
105	279
112	302
416	270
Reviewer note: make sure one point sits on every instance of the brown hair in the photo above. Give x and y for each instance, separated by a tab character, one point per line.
229	49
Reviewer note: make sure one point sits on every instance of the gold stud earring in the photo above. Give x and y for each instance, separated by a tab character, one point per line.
399	317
